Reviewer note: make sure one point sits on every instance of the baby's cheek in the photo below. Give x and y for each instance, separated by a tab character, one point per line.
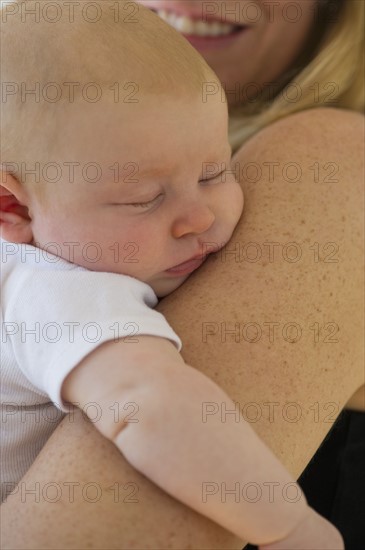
137	235
237	202
148	239
240	191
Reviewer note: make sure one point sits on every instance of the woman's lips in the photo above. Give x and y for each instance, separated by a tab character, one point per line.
203	31
201	43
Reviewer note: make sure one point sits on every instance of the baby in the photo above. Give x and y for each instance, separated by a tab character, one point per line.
115	185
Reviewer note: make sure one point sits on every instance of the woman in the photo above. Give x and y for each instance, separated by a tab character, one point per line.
277	322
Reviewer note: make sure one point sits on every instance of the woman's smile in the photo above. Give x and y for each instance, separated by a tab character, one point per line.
204	32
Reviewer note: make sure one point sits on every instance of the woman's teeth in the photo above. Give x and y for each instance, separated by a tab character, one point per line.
186	25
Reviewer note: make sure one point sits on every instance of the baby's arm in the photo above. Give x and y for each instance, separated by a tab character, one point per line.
195	459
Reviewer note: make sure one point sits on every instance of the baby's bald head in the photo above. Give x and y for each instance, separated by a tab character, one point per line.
121	57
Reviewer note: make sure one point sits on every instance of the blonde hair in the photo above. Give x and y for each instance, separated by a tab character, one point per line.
332	77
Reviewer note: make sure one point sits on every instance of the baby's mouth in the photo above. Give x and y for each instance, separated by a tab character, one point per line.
197	27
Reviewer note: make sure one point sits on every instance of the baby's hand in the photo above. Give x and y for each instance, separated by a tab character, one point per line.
314	532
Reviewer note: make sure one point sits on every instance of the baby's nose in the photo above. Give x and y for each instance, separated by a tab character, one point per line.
194	220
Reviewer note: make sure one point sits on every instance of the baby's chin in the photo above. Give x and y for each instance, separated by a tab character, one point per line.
164	287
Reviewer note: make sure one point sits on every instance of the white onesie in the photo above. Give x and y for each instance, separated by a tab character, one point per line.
53	314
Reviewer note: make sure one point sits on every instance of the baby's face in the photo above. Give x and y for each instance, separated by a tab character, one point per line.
158	192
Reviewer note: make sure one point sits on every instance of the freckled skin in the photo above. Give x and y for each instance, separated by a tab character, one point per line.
255	373
299	373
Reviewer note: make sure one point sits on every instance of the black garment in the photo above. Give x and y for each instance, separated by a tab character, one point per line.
334	480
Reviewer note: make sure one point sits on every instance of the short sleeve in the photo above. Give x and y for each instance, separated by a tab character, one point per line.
54	317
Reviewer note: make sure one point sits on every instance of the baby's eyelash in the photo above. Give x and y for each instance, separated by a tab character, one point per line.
140	204
143	204
214	177
147	204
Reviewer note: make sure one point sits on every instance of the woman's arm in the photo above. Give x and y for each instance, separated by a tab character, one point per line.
278	316
185	454
291	383
79	466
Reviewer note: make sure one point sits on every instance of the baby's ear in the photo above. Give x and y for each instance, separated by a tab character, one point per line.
15	222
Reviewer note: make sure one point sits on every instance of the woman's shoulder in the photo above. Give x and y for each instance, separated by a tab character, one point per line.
303	182
318	146
324	129
320	115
